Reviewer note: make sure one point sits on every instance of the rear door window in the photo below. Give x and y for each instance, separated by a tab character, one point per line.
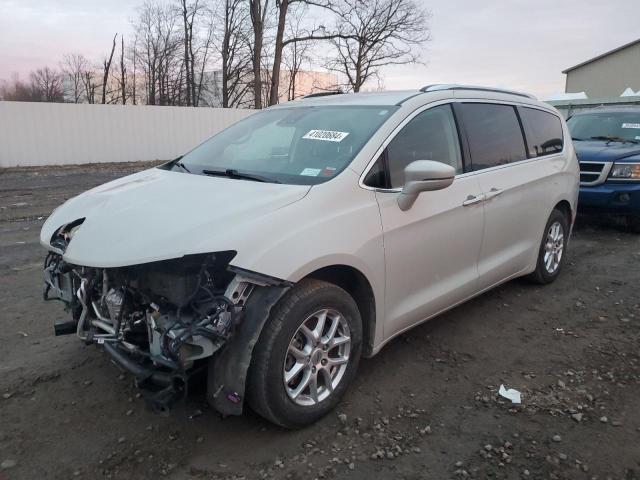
494	134
543	130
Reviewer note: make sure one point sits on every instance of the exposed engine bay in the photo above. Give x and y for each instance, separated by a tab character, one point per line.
162	321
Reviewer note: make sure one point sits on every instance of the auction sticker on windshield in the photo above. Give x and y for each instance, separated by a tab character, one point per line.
624	125
326	135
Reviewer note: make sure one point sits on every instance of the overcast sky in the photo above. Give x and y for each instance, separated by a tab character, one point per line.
520	44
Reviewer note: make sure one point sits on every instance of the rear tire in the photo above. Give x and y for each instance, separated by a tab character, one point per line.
633	223
294	348
553	249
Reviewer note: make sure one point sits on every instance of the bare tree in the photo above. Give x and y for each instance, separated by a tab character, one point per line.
235	52
258	10
188	13
74	66
158	53
134	81
46	84
202	55
200	27
122	80
90	85
16	90
314	34
267	73
283	9
297	52
106	68
374	34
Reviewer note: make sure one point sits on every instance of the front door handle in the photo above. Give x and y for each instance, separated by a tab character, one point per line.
494	192
472	200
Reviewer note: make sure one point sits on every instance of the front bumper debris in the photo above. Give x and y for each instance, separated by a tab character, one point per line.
170	323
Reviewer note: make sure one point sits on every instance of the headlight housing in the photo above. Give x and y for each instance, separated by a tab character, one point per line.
72	231
625	171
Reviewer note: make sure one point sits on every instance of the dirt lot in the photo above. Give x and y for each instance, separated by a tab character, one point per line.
425	407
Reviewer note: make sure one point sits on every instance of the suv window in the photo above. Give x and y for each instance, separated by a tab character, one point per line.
544	132
622	126
430	135
494	134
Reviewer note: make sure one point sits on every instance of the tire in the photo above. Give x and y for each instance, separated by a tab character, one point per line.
633	223
283	334
547	272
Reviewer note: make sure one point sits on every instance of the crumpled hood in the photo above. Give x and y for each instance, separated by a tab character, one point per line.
158	215
599	151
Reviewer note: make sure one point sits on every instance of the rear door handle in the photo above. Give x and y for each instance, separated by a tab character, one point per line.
472	200
494	192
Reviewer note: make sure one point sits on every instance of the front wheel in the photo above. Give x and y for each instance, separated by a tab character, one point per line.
552	252
307	354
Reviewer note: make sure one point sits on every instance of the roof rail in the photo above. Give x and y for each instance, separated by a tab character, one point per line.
443	86
324	94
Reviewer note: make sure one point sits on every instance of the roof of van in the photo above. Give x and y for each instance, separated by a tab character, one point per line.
397	97
362	98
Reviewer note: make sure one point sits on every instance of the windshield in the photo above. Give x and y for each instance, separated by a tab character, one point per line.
612	126
299	145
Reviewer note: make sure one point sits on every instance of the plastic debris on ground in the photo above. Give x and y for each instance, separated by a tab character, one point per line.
510	394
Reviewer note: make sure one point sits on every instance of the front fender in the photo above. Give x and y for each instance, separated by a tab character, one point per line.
227	373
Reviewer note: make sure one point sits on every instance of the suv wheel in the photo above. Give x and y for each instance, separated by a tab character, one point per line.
307	354
634	223
552	249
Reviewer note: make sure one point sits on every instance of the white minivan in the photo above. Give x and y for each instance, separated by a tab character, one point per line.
278	252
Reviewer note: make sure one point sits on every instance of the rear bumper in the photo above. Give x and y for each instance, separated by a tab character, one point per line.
610	198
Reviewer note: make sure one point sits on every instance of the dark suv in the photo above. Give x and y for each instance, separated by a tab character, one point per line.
607	142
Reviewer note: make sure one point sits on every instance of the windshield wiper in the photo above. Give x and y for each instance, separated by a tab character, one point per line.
232	173
610	138
577	139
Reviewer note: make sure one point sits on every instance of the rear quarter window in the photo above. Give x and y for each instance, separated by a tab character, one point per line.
543	131
494	134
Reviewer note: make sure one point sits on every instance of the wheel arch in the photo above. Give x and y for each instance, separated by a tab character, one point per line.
565	207
356	284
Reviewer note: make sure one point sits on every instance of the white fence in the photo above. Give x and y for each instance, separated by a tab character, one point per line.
66	134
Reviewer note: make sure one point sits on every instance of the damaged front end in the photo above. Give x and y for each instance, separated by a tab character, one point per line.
166	321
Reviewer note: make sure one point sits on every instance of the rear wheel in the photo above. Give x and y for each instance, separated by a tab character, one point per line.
307	354
634	223
552	252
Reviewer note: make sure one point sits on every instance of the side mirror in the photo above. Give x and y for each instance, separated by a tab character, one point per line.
424	176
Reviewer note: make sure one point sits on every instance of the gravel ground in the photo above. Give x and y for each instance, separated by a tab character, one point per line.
425	407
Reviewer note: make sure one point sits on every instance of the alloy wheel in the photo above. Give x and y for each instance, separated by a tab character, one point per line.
553	247
317	357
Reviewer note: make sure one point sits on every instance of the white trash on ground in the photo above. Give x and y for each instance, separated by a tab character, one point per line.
510	394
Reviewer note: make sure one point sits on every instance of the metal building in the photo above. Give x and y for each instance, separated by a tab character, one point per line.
607	75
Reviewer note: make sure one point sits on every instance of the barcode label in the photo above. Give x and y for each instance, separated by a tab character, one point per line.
326	135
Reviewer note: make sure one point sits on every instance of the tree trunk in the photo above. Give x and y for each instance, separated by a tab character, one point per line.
133	93
358	80
192	63
257	19
225	69
186	51
123	73
107	67
277	55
